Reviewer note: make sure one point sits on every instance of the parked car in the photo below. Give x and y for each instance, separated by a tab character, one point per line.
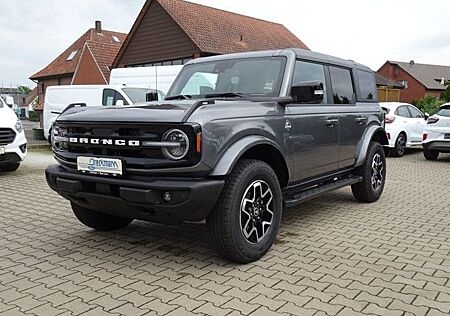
13	144
59	98
277	128
436	136
155	77
404	126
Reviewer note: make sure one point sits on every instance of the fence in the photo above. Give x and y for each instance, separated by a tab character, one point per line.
388	95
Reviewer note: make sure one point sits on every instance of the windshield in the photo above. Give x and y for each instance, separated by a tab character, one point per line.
444	111
252	77
139	95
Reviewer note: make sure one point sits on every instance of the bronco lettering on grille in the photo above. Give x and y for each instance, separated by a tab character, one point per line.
104	141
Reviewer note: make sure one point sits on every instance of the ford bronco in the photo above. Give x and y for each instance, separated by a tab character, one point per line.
238	138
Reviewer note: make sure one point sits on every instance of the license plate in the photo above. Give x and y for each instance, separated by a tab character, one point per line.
104	166
2	150
447	136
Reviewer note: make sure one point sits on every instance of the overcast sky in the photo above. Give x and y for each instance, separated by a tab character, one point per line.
33	33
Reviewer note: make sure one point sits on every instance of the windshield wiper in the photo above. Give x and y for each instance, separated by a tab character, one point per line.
179	97
226	95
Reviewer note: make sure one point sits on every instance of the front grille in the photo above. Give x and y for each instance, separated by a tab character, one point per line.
9	158
132	157
7	136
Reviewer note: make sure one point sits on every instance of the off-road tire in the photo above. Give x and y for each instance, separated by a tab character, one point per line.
400	146
99	221
430	154
364	191
10	167
224	222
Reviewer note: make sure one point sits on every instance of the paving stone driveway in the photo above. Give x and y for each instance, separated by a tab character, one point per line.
333	256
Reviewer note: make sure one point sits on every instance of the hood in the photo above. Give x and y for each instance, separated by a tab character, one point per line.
172	112
7	117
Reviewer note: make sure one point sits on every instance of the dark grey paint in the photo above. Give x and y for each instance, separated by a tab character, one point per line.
231	127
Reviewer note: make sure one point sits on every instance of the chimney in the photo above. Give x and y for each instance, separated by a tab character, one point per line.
98	26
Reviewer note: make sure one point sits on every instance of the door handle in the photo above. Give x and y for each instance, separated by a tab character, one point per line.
331	122
361	120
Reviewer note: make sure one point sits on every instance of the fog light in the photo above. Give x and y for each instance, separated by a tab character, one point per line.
166	197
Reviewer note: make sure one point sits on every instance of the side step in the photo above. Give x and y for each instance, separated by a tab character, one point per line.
308	194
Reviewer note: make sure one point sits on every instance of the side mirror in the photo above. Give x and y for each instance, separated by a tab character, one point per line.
426	116
307	92
120	103
151	96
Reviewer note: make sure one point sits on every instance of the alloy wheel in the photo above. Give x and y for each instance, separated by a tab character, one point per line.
256	213
377	172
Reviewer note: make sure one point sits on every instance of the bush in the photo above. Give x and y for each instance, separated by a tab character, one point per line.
429	104
33	116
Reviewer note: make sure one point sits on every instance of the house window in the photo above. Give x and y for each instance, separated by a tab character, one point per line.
404	83
72	55
116	39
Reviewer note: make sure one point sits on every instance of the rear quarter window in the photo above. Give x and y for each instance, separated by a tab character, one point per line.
367	86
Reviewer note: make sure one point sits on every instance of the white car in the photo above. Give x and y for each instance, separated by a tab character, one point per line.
13	144
404	126
436	136
59	98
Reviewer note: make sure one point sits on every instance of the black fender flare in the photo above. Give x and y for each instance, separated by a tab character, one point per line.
231	156
367	138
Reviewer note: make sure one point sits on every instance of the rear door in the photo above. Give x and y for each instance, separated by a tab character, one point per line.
315	144
405	122
418	119
352	117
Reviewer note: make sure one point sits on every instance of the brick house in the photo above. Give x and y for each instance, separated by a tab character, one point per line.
86	61
419	80
172	32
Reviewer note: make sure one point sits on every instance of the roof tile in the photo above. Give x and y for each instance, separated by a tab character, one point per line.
221	32
61	65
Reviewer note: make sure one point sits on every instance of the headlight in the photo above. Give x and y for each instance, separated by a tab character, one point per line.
176	152
19	126
59	138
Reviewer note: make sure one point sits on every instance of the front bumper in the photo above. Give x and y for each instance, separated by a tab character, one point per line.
16	151
192	199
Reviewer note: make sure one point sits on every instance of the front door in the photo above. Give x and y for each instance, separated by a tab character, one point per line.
315	146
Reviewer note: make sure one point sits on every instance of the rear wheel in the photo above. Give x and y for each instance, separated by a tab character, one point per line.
400	146
430	154
245	220
99	221
373	172
10	167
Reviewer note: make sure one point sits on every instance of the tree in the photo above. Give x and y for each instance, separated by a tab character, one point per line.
446	95
23	89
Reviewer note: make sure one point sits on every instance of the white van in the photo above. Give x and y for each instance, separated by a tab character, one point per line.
59	98
156	77
13	144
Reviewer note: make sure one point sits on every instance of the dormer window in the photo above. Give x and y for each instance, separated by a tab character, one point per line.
72	55
116	39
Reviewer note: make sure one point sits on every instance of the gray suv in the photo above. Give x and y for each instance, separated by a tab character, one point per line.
238	138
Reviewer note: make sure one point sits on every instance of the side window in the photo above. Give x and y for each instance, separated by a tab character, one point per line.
403	111
367	87
415	113
108	97
341	82
306	71
119	96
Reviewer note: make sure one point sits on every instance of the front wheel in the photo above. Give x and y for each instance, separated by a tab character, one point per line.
10	167
99	221
373	172
245	220
430	154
